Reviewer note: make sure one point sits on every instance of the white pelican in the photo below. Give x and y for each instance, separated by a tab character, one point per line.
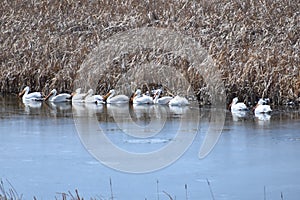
236	107
139	98
26	96
178	101
91	98
111	99
77	96
260	108
52	97
162	100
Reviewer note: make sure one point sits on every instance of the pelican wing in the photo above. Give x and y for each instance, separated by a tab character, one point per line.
78	98
144	99
37	96
164	100
263	109
61	98
238	107
118	99
178	101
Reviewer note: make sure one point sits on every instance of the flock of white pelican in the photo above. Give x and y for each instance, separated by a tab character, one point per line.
109	98
238	109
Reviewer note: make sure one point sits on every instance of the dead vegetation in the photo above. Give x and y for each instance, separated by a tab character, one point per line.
255	44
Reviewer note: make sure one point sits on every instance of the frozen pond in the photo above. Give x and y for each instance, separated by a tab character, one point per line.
43	155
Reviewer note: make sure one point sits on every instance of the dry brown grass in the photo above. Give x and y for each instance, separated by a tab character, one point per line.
255	44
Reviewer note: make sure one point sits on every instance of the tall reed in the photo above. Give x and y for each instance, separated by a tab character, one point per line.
255	44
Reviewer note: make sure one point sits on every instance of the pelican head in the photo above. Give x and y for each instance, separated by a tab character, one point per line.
111	92
77	91
138	92
261	102
52	93
25	90
157	93
90	92
235	100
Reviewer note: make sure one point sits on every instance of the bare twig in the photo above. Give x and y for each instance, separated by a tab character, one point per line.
170	197
111	189
210	189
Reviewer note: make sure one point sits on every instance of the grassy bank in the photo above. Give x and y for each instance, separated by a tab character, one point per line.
255	44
